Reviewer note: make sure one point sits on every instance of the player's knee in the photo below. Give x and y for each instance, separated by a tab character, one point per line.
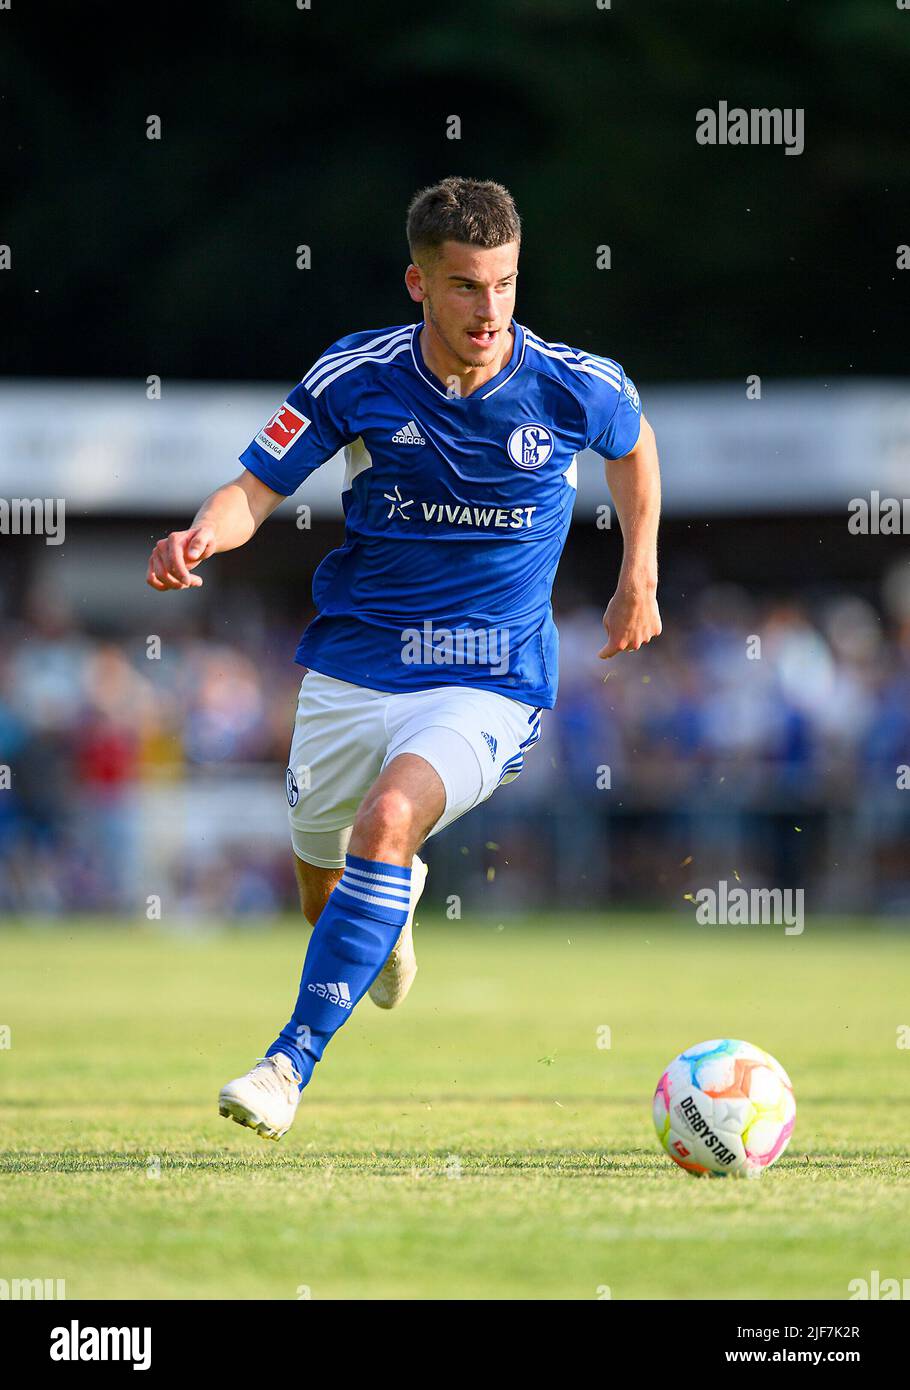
387	815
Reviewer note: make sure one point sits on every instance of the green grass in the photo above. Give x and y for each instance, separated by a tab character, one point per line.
477	1143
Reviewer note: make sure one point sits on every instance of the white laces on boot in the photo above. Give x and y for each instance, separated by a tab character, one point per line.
275	1074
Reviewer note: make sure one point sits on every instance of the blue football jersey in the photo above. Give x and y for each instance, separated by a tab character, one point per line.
456	508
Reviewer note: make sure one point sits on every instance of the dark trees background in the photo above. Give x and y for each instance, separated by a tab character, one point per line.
284	126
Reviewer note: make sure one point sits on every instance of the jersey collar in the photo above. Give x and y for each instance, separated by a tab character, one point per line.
489	387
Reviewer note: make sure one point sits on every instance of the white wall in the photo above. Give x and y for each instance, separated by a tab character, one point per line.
804	446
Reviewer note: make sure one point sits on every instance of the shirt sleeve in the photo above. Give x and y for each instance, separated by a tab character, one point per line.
302	434
613	409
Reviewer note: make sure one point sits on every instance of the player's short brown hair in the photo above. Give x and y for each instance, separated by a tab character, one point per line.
476	212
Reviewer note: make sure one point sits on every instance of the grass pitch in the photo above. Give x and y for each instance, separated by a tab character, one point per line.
480	1142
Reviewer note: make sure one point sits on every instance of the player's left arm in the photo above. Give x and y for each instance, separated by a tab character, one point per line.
632	617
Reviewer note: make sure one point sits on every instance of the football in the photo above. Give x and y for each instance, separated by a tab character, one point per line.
724	1109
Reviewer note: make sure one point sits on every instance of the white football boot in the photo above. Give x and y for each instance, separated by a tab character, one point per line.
266	1099
397	975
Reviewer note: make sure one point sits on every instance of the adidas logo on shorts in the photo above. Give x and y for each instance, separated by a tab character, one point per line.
490	741
408	434
336	994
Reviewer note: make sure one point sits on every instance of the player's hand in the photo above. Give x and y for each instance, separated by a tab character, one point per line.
173	558
631	620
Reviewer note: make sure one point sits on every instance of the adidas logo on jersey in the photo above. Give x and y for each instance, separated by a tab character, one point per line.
336	994
408	434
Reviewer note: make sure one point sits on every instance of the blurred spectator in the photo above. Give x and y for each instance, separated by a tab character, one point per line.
744	728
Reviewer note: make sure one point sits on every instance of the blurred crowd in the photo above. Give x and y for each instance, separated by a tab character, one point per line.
765	734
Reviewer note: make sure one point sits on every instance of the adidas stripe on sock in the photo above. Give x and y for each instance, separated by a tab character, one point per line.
350	944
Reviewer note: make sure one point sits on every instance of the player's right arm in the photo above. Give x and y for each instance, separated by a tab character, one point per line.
295	440
226	520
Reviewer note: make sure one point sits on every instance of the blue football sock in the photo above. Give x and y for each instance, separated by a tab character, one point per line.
350	944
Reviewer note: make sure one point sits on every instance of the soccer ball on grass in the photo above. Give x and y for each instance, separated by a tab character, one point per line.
724	1108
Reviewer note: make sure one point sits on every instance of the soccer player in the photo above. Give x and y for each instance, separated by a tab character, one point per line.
433	652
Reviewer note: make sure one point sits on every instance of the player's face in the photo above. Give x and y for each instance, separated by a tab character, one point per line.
469	297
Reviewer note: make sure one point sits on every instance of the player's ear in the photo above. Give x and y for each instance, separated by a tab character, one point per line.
413	279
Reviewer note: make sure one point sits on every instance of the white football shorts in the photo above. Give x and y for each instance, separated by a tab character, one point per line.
345	735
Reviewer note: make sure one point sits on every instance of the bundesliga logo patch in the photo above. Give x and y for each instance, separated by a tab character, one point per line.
282	430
